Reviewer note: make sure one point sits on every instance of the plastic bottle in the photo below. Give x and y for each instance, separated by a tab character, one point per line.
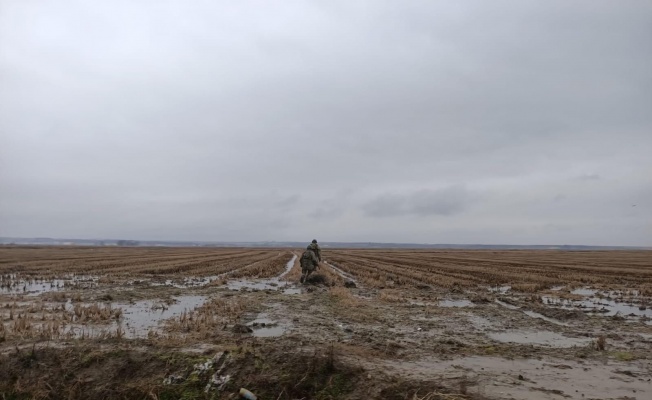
245	394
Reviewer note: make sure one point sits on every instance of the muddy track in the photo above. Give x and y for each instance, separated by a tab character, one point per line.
343	274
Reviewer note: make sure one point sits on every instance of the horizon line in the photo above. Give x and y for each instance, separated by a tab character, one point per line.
325	242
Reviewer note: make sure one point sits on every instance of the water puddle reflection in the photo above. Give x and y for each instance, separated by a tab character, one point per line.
455	303
141	317
506	305
542	338
584	291
267	284
263	326
543	317
12	284
500	289
600	306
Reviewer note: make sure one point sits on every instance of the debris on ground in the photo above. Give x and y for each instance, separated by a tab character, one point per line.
317	279
240	328
219	379
173	379
245	394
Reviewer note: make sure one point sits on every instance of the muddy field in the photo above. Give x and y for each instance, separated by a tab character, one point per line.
201	323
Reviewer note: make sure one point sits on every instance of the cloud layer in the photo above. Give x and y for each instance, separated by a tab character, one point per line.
473	122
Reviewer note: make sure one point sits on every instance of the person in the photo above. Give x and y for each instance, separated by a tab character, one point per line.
316	249
310	260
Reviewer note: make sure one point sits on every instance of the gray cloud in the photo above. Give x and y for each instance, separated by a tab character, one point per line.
445	201
289	201
327	211
589	177
387	205
263	121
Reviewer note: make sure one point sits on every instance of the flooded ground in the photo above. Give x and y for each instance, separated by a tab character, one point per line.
606	303
276	283
537	379
543	317
15	284
143	317
481	342
538	338
264	326
455	303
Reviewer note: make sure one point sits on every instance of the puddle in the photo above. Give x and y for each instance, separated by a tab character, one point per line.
267	284
422	303
136	319
263	284
500	289
543	317
598	306
139	318
263	326
32	288
555	301
168	282
610	307
584	291
543	338
288	267
191	282
496	377
455	303
11	284
557	288
480	323
508	306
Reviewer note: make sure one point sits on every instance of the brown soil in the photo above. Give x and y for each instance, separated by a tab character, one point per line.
458	334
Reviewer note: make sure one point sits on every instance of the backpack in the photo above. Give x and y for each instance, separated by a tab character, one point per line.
307	255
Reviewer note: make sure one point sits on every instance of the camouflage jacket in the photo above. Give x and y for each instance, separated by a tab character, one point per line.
315	247
309	258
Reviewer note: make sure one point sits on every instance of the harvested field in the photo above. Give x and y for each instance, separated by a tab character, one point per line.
529	270
200	323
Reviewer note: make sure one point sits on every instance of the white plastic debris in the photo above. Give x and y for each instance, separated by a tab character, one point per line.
203	367
219	380
245	394
173	379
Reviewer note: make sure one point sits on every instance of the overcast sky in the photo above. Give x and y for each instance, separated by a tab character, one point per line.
496	122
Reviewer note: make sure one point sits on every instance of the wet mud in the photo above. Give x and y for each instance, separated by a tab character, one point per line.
478	342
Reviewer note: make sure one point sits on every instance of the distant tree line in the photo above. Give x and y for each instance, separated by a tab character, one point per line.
128	243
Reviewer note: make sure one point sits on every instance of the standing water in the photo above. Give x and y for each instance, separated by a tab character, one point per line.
267	284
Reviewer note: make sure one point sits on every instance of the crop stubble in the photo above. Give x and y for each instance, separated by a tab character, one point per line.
399	311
